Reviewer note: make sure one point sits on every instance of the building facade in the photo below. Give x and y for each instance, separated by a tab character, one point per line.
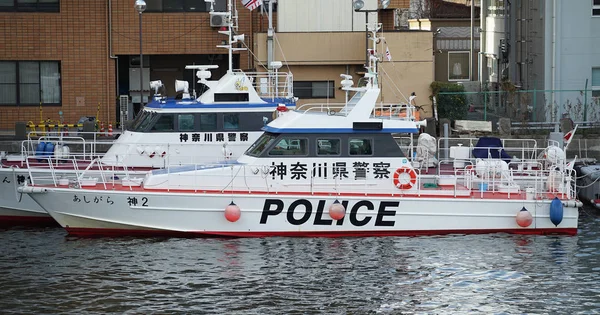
61	60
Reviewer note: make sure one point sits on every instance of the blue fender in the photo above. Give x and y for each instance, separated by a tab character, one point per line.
556	211
41	147
49	149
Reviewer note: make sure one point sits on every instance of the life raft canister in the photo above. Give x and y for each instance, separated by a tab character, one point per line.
405	178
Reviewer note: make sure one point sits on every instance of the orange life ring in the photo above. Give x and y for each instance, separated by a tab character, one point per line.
405	183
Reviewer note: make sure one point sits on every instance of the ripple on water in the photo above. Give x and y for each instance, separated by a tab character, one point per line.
44	271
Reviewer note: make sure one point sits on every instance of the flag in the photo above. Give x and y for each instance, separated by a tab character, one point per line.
387	53
251	4
568	137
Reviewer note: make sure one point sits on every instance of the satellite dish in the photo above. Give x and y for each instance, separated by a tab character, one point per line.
385	4
358	4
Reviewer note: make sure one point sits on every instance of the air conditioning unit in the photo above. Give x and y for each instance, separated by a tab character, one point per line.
219	19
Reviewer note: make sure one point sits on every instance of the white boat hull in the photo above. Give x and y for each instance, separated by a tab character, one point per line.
100	212
20	209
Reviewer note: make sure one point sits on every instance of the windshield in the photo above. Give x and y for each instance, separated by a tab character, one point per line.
261	144
142	121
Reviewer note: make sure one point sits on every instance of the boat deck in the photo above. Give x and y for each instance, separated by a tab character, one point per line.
441	191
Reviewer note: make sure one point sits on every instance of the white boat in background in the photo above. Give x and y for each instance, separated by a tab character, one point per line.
218	124
328	171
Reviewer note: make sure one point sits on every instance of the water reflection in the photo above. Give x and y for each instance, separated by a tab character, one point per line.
42	271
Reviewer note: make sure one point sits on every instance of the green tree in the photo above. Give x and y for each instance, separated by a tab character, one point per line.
453	105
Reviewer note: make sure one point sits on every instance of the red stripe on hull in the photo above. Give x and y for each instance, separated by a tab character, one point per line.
8	221
88	232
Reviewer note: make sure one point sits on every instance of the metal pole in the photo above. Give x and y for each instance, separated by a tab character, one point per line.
367	39
141	67
472	42
485	95
446	134
585	101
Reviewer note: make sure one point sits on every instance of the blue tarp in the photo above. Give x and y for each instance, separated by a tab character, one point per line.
485	149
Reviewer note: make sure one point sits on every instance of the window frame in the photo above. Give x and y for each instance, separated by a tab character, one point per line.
17	84
465	76
48	7
595	8
301	95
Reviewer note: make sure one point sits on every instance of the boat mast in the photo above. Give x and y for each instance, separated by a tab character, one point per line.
232	27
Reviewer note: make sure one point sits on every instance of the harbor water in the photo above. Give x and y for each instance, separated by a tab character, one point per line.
44	271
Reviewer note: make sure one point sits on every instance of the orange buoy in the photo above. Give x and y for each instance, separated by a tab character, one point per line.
524	218
337	210
232	212
405	178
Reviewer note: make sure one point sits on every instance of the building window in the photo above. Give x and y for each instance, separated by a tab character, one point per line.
458	65
30	5
183	5
595	7
314	89
265	7
596	82
30	83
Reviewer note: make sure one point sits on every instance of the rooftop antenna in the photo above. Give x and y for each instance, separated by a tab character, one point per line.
231	18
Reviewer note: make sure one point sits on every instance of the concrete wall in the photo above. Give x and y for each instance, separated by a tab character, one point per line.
324	56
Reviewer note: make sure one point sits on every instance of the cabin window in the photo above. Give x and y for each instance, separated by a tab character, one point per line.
360	146
208	122
260	145
143	121
328	147
165	122
186	122
231	121
290	146
596	8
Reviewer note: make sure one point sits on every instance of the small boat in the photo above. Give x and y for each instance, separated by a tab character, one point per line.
327	171
215	120
588	183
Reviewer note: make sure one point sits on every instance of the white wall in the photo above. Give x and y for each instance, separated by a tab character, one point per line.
577	50
321	16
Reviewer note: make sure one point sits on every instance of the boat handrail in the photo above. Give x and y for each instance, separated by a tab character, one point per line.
269	84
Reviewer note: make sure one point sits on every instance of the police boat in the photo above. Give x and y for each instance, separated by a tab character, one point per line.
215	120
327	171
